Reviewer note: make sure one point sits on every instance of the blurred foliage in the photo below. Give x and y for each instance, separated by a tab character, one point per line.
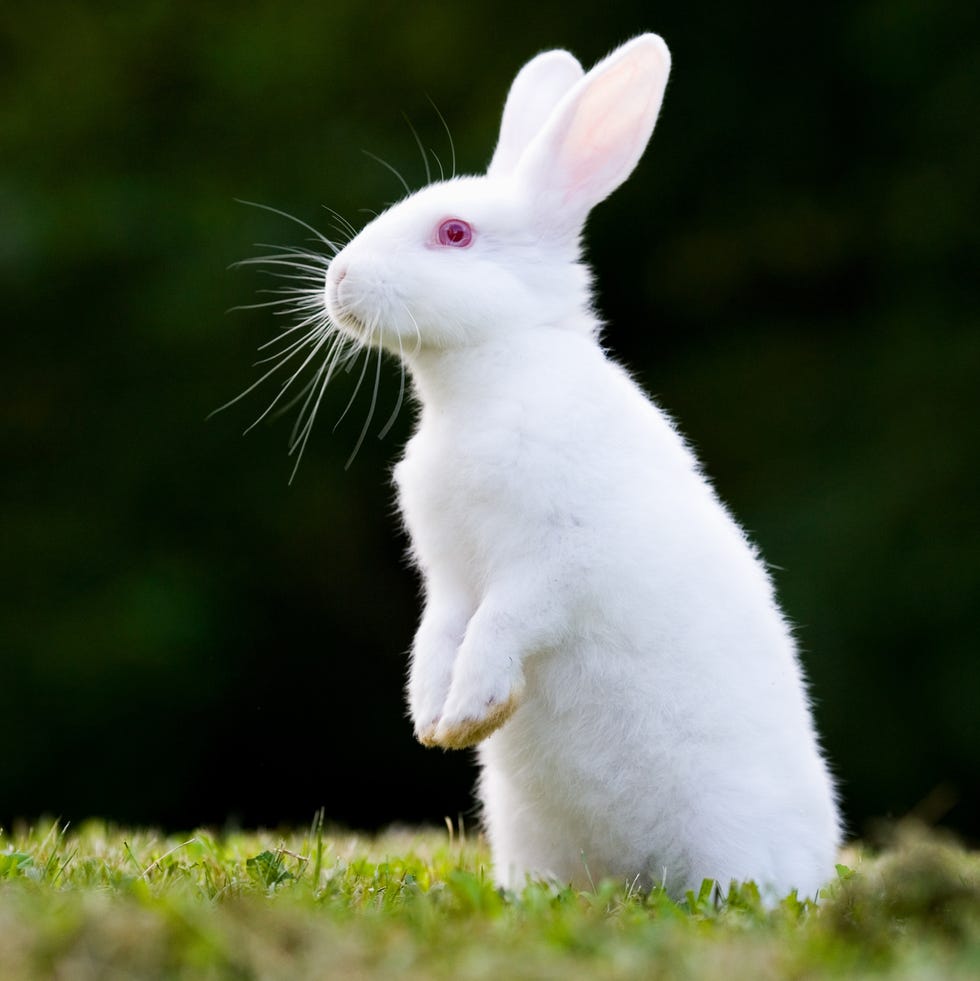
792	271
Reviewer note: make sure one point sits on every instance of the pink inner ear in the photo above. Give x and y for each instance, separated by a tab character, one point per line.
609	130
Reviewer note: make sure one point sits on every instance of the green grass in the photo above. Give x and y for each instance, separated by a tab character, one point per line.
102	902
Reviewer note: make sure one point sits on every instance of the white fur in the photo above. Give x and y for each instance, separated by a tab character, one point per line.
587	595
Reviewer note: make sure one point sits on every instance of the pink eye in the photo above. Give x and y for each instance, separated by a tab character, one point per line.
455	232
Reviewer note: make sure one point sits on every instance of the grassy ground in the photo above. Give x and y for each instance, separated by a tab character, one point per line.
102	903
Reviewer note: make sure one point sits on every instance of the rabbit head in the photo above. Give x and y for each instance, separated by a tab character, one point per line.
474	257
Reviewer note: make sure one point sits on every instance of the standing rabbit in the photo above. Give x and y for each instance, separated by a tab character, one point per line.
594	618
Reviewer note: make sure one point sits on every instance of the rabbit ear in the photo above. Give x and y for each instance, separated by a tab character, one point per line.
596	135
534	93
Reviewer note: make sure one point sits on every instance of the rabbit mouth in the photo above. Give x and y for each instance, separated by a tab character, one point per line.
351	324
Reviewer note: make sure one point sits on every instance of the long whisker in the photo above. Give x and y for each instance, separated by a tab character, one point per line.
384	163
308	393
282	391
277	260
318	258
310	309
418	143
305	339
343	221
298	264
306	433
308	428
294	299
341	351
385	429
285	214
291	302
357	388
301	394
255	385
418	333
311	340
344	234
309	390
374	402
445	126
442	173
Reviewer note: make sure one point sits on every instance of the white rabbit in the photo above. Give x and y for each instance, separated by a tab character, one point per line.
594	618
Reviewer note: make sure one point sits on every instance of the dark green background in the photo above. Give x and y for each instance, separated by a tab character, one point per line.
792	271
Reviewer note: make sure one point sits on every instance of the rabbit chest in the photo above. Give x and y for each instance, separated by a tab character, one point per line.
474	504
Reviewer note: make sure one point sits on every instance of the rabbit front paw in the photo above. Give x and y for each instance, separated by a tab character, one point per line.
479	703
433	655
427	693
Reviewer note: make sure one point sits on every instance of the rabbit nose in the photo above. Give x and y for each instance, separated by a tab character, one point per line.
335	276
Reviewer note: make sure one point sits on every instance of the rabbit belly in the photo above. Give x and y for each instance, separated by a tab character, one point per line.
605	772
665	733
